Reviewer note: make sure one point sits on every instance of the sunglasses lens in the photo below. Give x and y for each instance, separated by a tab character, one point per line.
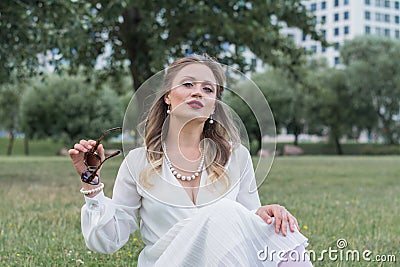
88	178
92	160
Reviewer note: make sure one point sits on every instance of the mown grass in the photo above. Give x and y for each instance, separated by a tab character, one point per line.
356	198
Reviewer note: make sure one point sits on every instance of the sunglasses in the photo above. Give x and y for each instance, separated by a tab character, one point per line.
93	162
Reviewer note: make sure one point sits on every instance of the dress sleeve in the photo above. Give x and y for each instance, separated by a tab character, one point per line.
107	223
248	193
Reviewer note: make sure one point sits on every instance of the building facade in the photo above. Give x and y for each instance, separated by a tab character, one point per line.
341	20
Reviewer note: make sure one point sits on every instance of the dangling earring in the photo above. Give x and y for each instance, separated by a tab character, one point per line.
211	119
168	110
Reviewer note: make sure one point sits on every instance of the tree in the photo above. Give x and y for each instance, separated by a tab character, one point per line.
67	108
374	73
285	95
148	33
332	104
9	113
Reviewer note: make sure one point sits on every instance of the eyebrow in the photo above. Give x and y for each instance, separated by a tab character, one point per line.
193	78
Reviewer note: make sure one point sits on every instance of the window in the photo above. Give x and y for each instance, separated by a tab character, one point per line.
387	3
323	33
337	61
387	18
336	2
304	37
323	5
367	15
323	49
337	46
397	34
378	31
367	30
345	2
314	49
387	32
323	19
346	15
253	62
346	30
336	17
336	31
367	2
397	5
378	17
378	3
313	6
397	19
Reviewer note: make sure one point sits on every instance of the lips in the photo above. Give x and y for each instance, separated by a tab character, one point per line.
195	104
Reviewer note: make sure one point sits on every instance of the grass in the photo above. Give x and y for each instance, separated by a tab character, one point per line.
50	147
356	198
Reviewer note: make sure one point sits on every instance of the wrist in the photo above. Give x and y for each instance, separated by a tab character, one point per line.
91	190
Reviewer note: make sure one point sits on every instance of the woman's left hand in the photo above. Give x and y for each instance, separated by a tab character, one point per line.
281	215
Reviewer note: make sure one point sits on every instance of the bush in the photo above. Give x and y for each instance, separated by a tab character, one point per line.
68	108
348	149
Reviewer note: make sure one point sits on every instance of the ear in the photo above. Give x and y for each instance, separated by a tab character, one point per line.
167	100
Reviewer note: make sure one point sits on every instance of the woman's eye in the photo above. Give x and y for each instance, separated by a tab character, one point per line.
208	89
188	84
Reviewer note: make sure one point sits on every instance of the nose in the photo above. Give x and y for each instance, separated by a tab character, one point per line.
197	90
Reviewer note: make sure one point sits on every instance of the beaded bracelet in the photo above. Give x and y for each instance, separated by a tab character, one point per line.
94	190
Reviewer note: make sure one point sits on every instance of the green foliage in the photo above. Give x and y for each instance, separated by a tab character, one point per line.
10	94
331	104
148	33
285	96
68	108
374	79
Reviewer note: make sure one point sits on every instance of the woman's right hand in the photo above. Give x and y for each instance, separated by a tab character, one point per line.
77	156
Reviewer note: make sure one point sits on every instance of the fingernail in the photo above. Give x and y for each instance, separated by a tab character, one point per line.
89	146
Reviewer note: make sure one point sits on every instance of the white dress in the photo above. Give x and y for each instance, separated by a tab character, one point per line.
220	230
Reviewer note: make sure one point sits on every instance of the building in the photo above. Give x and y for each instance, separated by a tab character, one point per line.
340	20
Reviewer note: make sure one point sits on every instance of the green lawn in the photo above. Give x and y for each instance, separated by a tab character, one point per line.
355	198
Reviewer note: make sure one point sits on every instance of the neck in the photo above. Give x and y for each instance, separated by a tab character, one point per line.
184	135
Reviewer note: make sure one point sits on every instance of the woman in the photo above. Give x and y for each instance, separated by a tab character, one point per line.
192	184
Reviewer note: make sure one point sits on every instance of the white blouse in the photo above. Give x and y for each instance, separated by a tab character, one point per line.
107	223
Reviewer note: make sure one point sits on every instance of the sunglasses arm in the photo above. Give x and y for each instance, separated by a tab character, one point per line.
101	163
102	136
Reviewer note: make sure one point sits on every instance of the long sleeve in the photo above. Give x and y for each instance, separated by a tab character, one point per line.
248	193
107	223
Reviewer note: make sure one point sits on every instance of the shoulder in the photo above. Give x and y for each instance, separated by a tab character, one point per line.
136	152
240	156
136	158
240	152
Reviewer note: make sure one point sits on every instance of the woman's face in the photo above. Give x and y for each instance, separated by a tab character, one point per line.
193	93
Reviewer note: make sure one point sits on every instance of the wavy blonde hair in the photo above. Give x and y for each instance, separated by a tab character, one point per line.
222	132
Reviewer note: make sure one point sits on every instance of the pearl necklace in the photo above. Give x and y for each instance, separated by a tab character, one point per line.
178	175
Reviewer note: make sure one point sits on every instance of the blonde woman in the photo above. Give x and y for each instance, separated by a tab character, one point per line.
192	184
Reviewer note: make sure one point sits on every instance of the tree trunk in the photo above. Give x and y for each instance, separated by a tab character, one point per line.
26	145
259	139
387	132
135	43
296	139
10	143
338	146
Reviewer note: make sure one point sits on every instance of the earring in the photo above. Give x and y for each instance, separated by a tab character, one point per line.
168	110
211	119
